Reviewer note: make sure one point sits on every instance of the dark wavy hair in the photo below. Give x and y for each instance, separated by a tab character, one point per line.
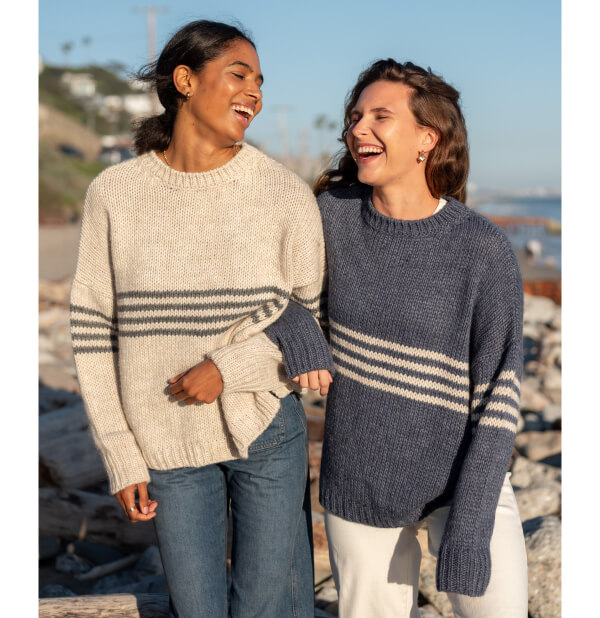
193	45
434	103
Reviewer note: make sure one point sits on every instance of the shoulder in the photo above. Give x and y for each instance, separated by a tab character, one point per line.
277	175
115	177
330	202
487	240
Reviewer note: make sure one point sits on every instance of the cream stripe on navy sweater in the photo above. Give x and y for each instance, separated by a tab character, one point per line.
425	324
175	267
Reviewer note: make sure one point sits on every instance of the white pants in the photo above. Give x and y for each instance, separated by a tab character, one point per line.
376	570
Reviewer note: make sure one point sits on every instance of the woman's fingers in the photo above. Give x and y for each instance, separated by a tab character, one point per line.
313	380
296	379
176	378
303	380
126	498
143	497
325	380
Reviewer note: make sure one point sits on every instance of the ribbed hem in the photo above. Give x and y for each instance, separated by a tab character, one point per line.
463	571
452	212
232	170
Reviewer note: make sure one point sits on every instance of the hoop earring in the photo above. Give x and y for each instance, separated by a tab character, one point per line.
421	156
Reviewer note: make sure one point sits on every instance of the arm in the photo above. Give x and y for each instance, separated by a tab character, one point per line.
464	564
94	332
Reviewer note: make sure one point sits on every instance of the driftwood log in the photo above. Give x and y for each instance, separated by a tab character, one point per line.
82	515
106	606
68	456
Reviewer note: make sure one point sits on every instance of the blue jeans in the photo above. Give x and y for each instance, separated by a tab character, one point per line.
271	554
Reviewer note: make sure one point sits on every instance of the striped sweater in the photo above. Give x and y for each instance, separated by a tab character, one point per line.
425	326
176	267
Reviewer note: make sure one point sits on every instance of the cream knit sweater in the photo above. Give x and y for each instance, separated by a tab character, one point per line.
176	267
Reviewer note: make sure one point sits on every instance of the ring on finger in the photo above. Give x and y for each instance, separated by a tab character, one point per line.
131	509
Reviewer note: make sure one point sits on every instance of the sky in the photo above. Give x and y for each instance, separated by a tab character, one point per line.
503	57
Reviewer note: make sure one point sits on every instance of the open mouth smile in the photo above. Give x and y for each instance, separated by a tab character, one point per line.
368	152
243	112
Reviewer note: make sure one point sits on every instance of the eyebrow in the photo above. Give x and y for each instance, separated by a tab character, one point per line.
247	66
374	110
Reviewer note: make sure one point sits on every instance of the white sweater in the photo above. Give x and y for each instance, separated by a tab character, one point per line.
176	267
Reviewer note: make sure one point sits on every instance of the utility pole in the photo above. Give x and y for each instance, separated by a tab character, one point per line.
151	12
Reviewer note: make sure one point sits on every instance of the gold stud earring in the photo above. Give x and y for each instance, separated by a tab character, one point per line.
421	156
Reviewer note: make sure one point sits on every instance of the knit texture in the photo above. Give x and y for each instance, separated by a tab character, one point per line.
425	322
176	267
301	341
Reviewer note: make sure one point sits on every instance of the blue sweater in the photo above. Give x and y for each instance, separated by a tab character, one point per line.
425	326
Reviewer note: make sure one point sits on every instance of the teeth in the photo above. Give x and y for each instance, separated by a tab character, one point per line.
242	108
370	149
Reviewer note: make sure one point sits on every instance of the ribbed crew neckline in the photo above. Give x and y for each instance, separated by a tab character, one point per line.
452	212
229	172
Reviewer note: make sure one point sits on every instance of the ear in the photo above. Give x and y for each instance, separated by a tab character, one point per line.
182	78
429	138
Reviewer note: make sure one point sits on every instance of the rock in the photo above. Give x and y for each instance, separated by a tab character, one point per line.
55	292
72	564
538	445
49	547
531	396
552	380
428	611
538	501
552	412
95	553
325	596
114	582
153	584
150	563
315	451
428	589
54	591
539	309
320	613
556	322
532	421
52	398
543	543
527	473
52	317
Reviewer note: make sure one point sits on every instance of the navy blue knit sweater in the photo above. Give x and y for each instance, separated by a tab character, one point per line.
425	321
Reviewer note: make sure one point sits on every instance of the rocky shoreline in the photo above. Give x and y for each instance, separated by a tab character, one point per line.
87	546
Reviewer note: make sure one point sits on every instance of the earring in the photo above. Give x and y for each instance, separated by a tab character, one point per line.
421	156
187	96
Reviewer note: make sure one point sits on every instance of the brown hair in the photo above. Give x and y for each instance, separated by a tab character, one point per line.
434	103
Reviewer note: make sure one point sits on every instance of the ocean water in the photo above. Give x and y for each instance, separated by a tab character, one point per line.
547	207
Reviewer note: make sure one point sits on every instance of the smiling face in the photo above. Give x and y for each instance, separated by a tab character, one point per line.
224	96
384	137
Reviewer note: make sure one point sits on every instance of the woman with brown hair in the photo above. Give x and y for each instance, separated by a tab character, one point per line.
187	253
425	310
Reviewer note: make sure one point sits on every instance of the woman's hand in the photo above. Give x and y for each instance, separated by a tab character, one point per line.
315	380
144	509
203	382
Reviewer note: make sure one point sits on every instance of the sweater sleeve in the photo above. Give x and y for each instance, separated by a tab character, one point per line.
94	333
250	366
464	563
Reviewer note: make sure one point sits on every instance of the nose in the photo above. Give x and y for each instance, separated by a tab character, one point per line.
255	92
359	128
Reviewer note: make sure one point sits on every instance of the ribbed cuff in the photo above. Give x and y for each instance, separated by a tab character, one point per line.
125	469
302	342
238	371
463	571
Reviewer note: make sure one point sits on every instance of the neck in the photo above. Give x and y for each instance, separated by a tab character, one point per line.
190	152
404	202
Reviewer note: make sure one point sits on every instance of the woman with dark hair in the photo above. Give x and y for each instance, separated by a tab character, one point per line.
425	307
187	253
